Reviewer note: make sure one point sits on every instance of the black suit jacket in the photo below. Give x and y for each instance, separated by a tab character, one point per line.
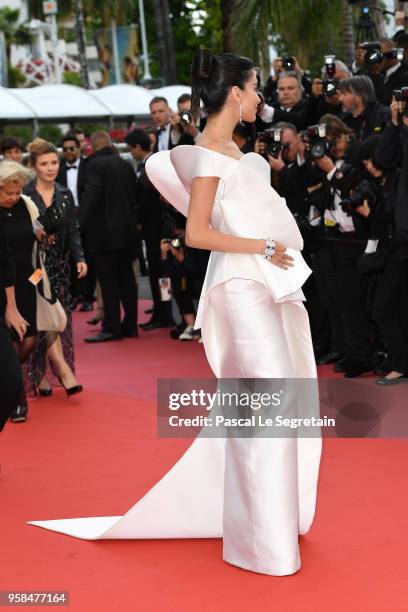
384	90
109	211
62	176
185	139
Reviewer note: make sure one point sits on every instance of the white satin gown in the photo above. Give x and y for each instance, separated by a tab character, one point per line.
258	494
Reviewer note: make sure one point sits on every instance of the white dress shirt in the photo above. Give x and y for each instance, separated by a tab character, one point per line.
72	179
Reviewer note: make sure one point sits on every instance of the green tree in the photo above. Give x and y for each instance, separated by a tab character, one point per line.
194	24
14	34
298	27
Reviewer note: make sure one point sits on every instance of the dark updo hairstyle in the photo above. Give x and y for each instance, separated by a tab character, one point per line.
213	76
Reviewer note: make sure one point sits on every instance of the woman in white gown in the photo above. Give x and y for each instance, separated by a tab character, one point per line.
258	493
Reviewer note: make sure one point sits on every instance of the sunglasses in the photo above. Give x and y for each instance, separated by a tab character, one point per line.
65	149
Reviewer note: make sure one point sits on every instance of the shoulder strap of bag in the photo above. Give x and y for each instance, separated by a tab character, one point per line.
31	207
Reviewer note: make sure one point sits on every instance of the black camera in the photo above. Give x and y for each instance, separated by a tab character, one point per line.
315	137
373	53
397	54
273	140
186	118
365	191
401	95
288	63
330	87
346	179
330	65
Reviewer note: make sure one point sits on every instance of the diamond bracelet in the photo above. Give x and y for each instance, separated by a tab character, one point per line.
270	248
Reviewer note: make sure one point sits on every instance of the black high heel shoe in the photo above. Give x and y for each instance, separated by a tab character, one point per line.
45	392
71	390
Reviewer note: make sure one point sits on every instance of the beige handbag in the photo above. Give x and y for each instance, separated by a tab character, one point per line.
51	315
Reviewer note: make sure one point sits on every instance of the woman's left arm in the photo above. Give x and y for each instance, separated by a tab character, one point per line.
74	241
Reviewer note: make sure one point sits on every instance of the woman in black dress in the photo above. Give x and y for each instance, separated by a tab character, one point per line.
56	206
18	229
11	381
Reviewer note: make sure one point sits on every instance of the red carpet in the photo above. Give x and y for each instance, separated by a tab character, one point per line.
97	453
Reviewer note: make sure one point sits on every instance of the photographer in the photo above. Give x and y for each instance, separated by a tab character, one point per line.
280	66
186	269
400	37
363	114
383	63
391	298
184	129
290	103
345	232
325	96
150	215
295	179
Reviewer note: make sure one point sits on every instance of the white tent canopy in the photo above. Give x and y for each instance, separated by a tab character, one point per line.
68	102
172	93
61	102
13	108
124	100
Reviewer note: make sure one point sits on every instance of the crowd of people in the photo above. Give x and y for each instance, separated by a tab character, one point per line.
75	224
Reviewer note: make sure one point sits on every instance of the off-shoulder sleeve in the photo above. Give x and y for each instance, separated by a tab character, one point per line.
163	176
191	162
172	172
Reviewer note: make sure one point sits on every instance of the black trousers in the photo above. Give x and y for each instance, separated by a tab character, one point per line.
324	265
352	301
318	313
118	284
390	311
11	379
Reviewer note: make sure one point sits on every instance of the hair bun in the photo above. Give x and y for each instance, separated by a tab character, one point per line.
203	63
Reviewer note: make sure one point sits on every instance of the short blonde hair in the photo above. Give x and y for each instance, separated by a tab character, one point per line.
13	172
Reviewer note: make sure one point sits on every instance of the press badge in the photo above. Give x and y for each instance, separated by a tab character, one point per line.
36	276
371	246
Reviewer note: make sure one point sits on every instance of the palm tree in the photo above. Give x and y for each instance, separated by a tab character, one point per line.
301	23
348	33
14	33
303	27
165	41
78	11
228	8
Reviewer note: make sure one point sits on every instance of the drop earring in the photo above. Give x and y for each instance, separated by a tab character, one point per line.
240	112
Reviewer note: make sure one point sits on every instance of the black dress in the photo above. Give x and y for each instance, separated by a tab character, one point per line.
67	243
20	237
11	381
